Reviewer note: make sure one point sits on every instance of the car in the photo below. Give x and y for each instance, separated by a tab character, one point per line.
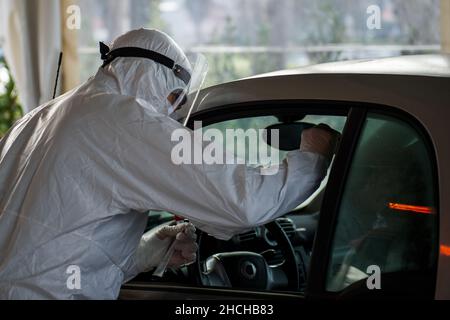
379	225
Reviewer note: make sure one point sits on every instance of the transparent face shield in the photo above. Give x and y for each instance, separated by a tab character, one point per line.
186	97
184	85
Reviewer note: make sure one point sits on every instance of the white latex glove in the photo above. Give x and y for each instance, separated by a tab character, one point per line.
321	139
155	243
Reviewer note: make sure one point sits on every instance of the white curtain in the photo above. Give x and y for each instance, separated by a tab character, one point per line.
31	31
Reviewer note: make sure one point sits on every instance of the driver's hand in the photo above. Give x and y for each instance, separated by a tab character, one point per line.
321	139
185	247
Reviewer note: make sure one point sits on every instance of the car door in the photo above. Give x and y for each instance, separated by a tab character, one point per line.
378	229
257	115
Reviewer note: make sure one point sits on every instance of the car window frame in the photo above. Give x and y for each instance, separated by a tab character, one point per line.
279	107
268	108
356	115
323	243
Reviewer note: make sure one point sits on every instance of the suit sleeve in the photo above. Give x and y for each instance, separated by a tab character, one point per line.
220	199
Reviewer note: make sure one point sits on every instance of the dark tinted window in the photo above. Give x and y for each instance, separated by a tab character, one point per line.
388	213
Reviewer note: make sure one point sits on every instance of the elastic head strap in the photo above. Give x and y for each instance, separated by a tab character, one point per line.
109	56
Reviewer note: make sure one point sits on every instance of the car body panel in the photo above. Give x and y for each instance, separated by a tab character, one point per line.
418	65
417	85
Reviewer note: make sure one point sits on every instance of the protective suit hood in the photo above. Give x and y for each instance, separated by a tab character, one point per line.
146	80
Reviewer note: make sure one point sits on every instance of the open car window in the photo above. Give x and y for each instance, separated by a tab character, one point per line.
241	148
299	228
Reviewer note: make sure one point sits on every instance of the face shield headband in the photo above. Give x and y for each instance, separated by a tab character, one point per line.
109	56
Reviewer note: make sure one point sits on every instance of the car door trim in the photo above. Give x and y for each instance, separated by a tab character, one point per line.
333	193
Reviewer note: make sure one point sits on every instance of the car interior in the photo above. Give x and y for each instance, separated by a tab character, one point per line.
275	258
269	258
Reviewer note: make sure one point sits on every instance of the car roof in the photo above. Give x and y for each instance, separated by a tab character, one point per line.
437	65
400	82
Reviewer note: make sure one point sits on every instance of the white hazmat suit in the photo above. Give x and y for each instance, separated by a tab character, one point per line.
78	173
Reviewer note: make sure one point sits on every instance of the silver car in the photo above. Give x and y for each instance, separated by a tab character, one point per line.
379	225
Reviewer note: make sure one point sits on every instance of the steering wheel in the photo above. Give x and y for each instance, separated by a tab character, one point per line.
250	270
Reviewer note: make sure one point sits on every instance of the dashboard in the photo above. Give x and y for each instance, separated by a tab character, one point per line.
300	229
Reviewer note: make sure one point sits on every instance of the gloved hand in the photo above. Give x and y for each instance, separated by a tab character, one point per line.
155	243
185	243
321	139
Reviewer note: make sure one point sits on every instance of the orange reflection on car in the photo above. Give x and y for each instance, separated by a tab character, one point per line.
407	207
445	250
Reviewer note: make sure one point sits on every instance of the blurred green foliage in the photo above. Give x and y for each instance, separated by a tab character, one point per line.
230	66
329	27
242	38
10	109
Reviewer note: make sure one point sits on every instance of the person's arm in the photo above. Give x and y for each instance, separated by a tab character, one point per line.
222	200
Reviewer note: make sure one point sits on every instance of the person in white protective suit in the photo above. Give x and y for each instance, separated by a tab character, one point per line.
78	174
